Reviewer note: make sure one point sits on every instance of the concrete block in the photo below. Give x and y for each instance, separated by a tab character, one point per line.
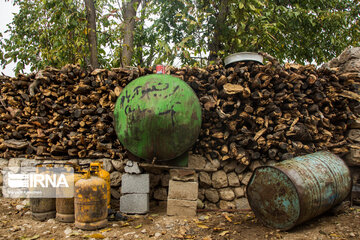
134	203
135	183
183	190
181	207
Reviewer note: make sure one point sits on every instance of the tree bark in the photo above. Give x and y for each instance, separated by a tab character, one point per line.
215	43
129	14
91	26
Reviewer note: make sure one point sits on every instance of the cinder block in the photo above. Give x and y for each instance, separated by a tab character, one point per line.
183	190
134	203
135	183
181	207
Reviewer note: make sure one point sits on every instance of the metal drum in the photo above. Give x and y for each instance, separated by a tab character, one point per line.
296	190
157	117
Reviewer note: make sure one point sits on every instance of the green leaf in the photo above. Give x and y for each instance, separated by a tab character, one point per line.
252	7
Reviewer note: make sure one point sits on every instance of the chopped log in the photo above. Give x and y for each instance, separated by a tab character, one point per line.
351	95
233	88
15	144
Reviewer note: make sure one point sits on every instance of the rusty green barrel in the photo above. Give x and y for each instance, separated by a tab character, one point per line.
296	190
157	117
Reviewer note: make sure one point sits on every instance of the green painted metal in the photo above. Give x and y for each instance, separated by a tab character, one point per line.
291	192
180	161
157	117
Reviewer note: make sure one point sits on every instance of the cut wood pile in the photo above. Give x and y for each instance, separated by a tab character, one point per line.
250	112
254	112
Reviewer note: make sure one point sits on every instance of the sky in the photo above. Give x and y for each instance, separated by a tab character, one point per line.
6	14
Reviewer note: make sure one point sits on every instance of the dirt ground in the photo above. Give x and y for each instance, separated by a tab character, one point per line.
16	223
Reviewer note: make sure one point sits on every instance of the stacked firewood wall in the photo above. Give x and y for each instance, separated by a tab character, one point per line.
250	112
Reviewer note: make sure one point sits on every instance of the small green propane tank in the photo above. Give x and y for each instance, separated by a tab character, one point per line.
90	203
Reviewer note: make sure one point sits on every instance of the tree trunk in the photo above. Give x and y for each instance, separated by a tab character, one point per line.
129	14
91	26
215	43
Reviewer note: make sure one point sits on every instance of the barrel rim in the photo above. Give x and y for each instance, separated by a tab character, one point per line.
297	194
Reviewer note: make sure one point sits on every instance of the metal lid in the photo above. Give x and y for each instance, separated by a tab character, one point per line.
243	56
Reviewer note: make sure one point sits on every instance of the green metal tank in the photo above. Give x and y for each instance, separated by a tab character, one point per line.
157	117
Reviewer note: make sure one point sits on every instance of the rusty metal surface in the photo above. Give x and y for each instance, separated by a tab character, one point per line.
90	202
273	198
65	206
157	116
40	205
65	210
97	170
42	208
299	189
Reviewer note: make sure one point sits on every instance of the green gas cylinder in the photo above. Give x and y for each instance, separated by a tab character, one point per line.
157	117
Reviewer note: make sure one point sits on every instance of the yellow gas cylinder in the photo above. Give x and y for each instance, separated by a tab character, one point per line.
90	203
65	206
43	208
97	170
